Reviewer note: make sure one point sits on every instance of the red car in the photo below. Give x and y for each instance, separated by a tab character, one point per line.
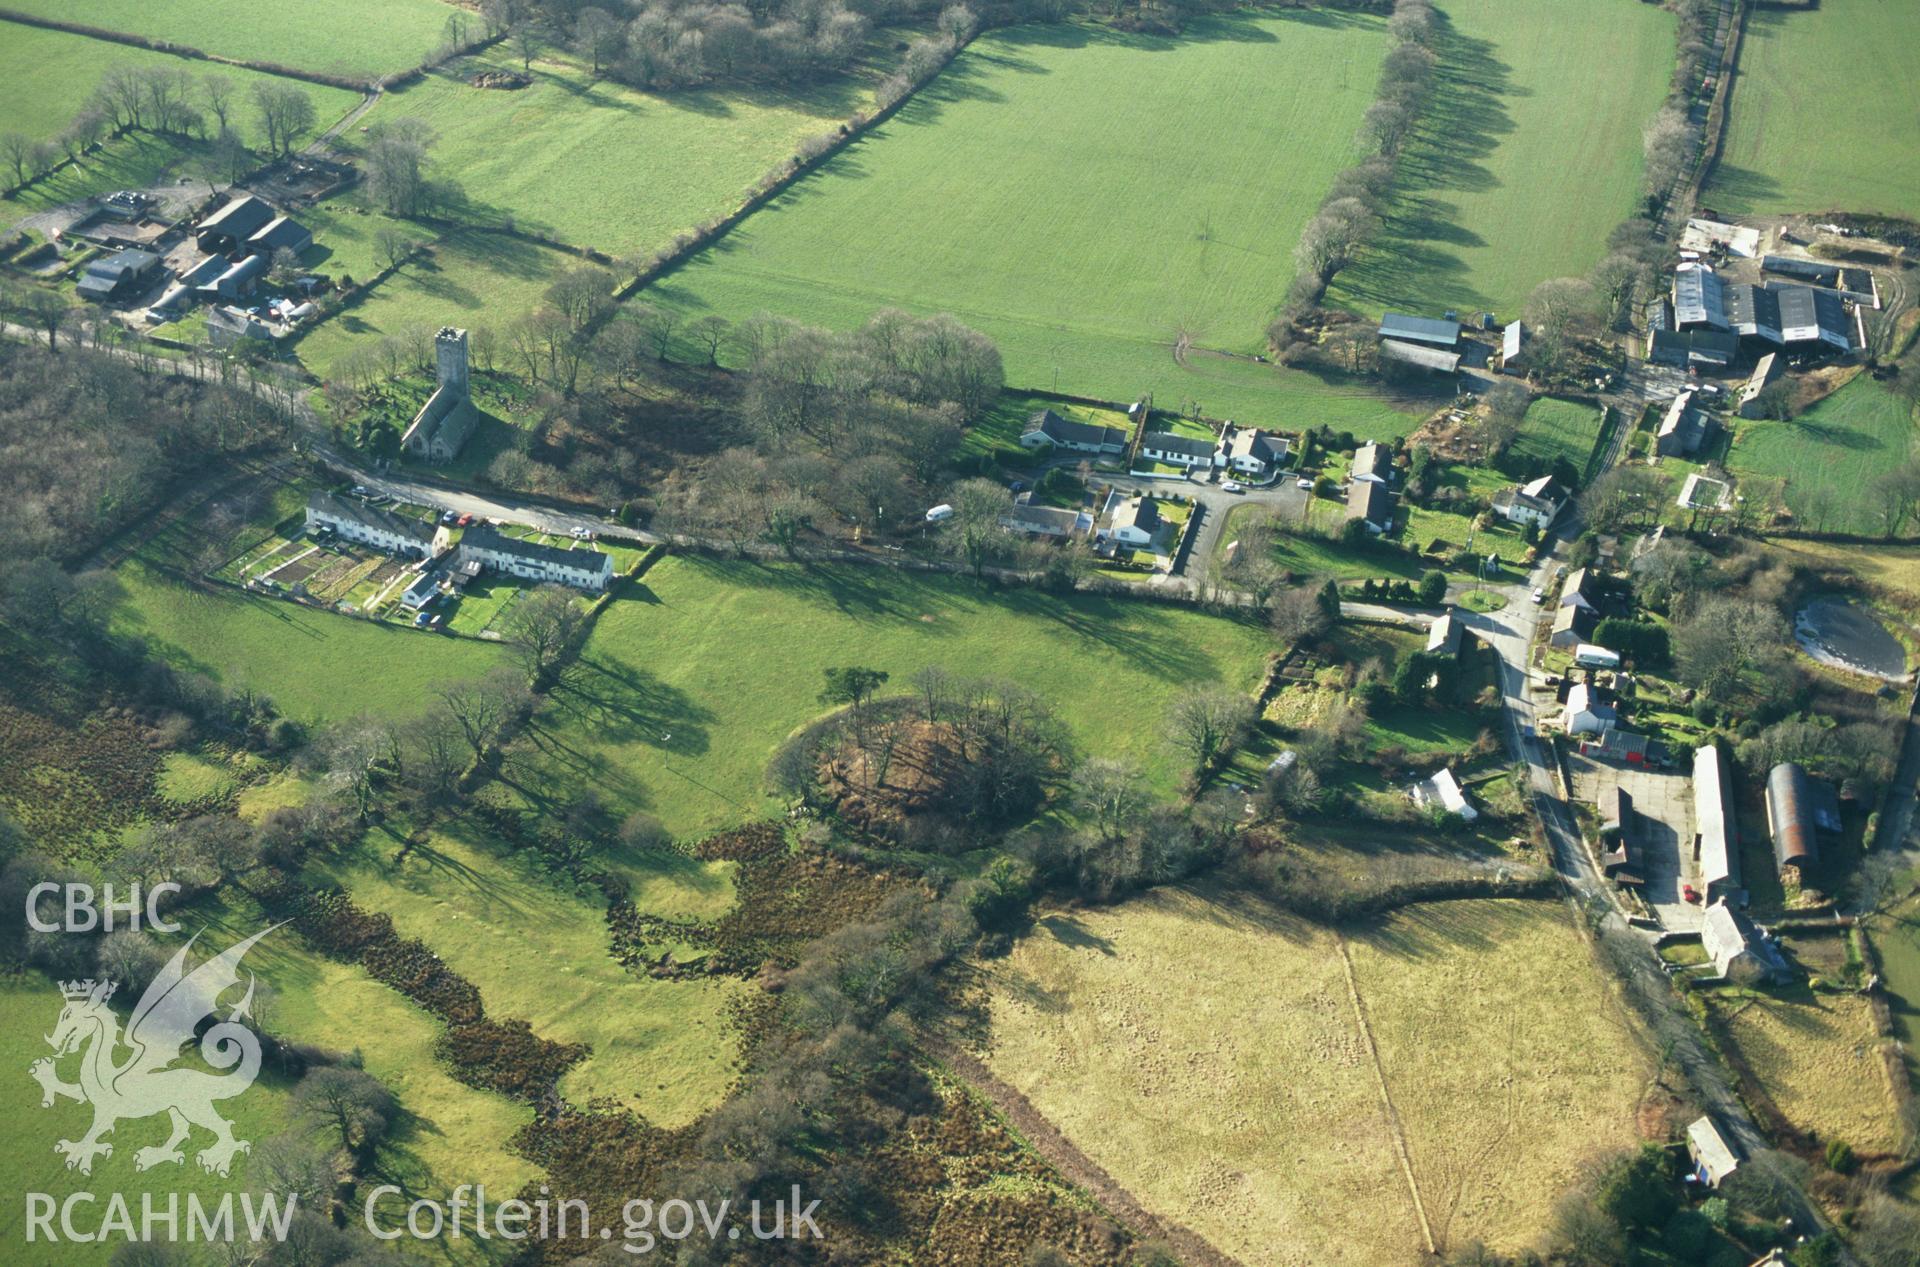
1690	893
464	521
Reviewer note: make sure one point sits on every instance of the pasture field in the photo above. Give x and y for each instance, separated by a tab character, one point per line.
1529	154
448	1132
597	164
46	76
29	1003
1085	248
1815	1056
352	37
1205	1048
1827	455
687	689
539	953
1808	127
1555	429
315	664
469	278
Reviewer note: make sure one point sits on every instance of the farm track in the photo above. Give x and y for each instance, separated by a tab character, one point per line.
1075	1166
1401	1150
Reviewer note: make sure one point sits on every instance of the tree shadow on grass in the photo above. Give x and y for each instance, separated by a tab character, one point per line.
620	704
1465	120
1443	928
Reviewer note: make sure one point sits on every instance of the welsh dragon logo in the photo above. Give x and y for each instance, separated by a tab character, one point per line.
141	1083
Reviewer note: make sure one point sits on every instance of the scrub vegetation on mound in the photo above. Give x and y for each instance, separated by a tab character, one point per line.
683	691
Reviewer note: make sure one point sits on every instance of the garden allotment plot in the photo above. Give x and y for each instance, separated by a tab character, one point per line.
1081	196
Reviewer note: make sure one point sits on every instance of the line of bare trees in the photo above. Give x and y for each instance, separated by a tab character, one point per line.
1349	216
172	101
1668	143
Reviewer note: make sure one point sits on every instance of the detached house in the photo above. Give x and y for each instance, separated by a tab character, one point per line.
1741	952
1371	504
1135	522
1538	502
1047	521
1250	452
1373	462
1047	429
1177	450
1586	715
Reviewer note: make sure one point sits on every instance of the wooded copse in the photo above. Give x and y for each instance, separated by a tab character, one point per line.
667	45
88	441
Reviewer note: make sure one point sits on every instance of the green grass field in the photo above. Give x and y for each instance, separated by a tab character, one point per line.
29	1004
47	76
1529	154
690	687
1085	247
1317	556
539	953
340	37
315	664
1809	128
597	164
469	279
448	1133
1560	429
1828	455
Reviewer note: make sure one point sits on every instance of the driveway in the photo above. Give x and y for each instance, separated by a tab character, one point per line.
1211	506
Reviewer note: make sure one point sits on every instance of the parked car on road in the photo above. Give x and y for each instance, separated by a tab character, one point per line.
1231	486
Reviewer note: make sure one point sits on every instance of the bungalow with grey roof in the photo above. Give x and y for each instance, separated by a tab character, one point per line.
1047	521
1135	522
1248	451
1178	450
1045	428
1373	461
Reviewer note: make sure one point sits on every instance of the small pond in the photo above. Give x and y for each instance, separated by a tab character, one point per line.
1849	636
